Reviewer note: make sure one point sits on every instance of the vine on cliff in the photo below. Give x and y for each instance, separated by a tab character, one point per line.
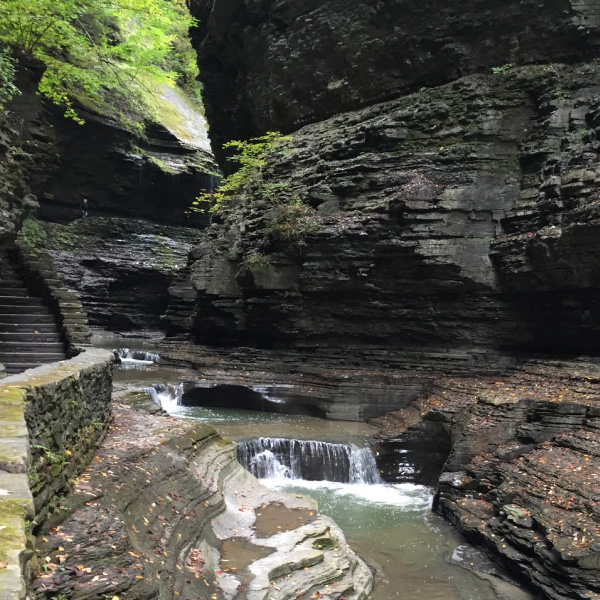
251	156
8	89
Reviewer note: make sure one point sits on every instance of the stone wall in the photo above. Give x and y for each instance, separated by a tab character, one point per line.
51	420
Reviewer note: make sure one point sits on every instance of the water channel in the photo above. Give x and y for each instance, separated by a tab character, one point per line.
390	525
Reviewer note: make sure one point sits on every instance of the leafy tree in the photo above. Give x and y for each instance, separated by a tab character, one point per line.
99	52
7	77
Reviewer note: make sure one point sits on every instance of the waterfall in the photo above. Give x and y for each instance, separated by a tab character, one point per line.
165	395
268	458
135	359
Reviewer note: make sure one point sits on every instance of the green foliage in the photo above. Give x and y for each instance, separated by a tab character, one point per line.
55	461
273	190
251	156
8	89
502	69
256	261
164	253
33	234
96	51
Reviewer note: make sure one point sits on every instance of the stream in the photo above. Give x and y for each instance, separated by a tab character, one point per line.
390	526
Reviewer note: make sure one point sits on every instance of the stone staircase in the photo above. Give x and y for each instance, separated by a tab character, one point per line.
29	334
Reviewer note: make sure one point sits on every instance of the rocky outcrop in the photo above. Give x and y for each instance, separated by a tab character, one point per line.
120	269
153	176
329	385
521	476
277	65
375	228
23	157
165	511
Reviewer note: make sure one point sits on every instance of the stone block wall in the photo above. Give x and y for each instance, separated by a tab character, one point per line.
51	420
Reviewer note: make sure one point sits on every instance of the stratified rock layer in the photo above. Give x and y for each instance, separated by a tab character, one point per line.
270	65
412	224
165	511
522	477
121	269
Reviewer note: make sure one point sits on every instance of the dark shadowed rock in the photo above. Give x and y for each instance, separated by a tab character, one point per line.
394	227
276	65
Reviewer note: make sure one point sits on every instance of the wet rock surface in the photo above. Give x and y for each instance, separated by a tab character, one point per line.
328	385
164	511
521	479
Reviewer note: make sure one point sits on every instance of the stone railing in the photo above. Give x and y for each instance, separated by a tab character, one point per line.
51	420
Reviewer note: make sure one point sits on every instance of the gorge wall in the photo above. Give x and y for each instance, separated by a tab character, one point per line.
122	172
462	215
139	188
278	65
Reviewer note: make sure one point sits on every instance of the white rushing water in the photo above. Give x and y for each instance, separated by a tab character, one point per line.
167	396
135	359
341	469
268	458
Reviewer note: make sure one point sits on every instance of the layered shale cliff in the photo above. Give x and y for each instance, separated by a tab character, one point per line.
521	476
270	65
437	208
138	189
410	223
439	219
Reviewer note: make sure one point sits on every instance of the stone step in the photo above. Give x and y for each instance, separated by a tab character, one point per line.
36	347
10	358
31	318
26	328
29	336
11	300
14	291
7	277
29	309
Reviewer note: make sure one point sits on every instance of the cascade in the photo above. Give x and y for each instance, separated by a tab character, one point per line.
135	359
165	395
268	458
